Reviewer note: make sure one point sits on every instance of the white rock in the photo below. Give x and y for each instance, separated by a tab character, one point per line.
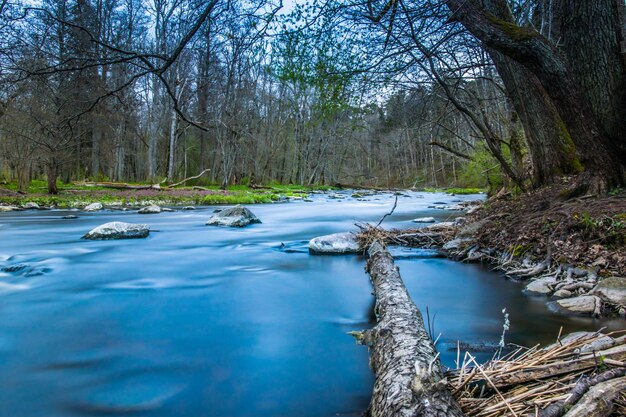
612	289
149	210
424	220
9	208
454	244
31	206
562	294
118	230
541	285
336	243
93	207
584	304
237	216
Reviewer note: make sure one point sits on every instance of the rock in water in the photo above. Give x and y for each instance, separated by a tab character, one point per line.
584	304
189	208
237	216
31	206
93	207
118	230
612	289
9	208
424	220
70	216
541	285
152	209
336	243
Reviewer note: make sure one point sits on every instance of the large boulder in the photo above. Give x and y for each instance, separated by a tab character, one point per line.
9	208
237	216
584	305
541	285
93	207
611	289
152	209
118	230
337	243
31	206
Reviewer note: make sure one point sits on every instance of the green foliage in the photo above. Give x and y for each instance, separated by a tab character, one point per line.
482	172
609	230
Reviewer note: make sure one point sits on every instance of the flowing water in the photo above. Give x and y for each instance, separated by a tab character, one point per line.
207	321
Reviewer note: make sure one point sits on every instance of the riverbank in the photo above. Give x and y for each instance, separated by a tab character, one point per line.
79	195
570	250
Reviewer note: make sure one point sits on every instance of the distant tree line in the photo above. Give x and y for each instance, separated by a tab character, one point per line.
407	93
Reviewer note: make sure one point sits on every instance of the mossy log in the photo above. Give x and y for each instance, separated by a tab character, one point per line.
409	380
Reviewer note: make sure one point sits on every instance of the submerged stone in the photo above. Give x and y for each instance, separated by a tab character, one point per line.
237	216
118	230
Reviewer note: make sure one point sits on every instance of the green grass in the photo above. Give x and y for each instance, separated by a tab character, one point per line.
458	191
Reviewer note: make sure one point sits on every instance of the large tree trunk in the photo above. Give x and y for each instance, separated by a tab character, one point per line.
409	380
491	22
550	146
590	33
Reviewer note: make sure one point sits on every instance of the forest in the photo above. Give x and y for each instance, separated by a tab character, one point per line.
445	184
397	93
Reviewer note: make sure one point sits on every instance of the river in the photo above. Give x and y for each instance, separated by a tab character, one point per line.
207	321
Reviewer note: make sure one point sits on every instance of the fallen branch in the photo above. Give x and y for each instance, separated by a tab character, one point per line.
189	179
119	185
558	409
409	380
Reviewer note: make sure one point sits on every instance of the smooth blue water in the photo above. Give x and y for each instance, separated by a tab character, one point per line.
205	321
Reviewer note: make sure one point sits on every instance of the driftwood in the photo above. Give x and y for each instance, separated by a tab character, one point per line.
409	380
188	179
598	401
521	383
558	409
119	185
124	186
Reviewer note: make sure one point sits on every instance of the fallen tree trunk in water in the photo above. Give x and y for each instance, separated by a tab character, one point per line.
409	380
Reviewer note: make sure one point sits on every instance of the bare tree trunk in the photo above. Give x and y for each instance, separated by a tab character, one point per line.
409	380
172	147
53	173
96	138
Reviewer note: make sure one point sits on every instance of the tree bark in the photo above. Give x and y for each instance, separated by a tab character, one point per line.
590	37
409	380
53	173
550	146
494	26
598	401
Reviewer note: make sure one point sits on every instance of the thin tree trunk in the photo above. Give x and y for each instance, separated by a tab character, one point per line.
172	145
